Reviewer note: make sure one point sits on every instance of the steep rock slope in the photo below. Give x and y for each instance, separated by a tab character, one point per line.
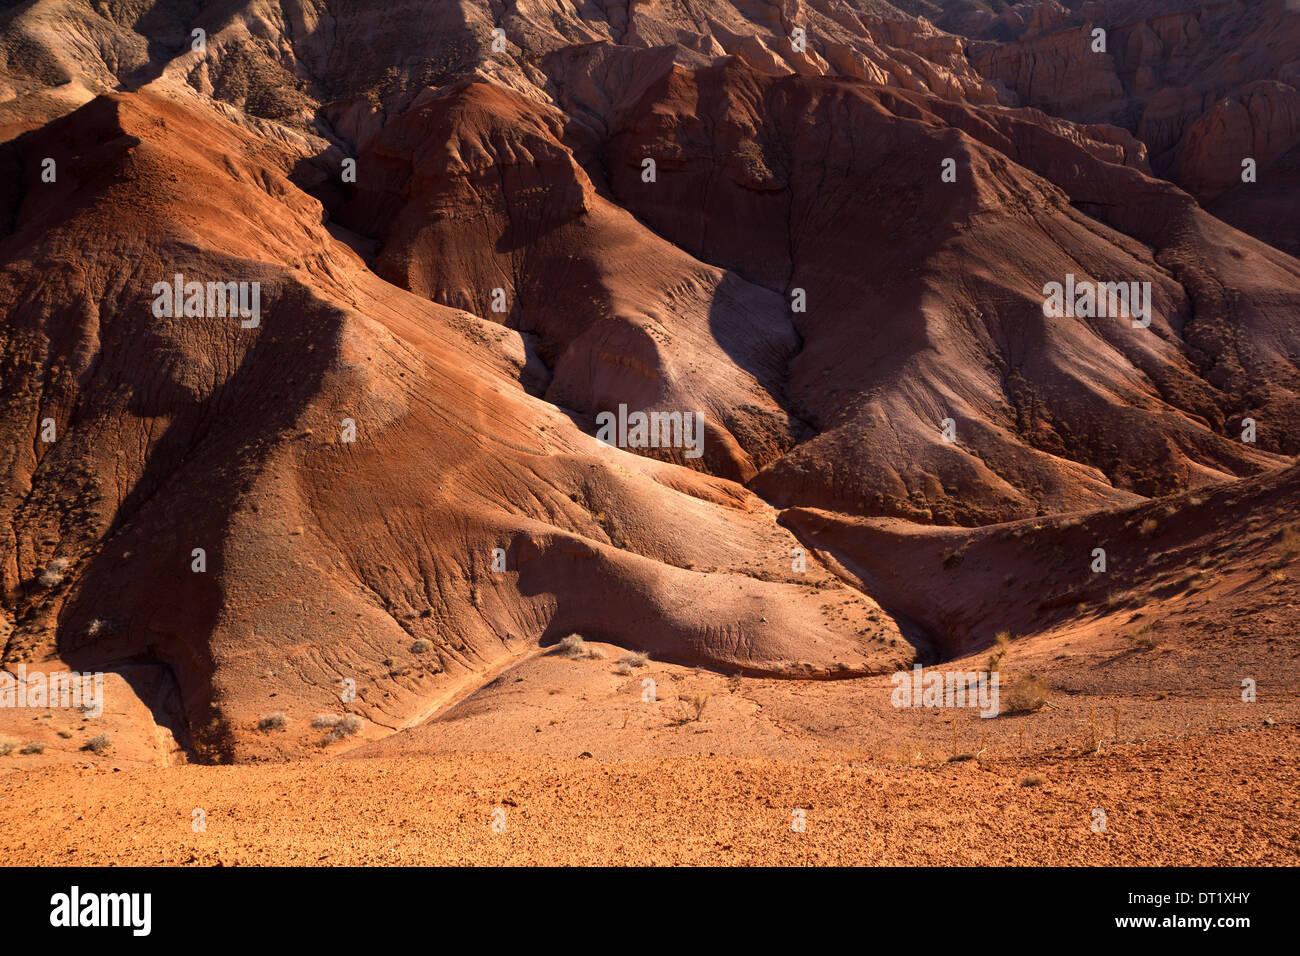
328	559
1204	86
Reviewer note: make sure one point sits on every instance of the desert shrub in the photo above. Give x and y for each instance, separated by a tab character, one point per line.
33	747
623	668
213	741
636	659
698	703
325	721
348	725
421	647
1092	734
52	576
1025	695
572	646
1000	645
1148	528
575	647
1288	544
1033	780
1145	638
98	744
276	721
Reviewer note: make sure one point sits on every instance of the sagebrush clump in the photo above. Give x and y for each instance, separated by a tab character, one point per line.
347	725
52	576
575	647
637	659
1025	695
276	721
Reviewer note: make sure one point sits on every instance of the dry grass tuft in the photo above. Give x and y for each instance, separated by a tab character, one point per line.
637	659
1145	638
576	648
1000	645
1025	695
698	702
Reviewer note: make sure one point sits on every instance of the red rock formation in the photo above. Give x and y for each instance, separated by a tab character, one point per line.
839	255
1203	86
325	559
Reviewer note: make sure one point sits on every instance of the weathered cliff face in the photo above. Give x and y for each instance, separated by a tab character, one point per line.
835	247
1205	87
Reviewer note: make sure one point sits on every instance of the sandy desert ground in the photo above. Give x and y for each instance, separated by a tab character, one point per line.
578	768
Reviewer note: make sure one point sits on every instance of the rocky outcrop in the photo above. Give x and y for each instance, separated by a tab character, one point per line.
1204	87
